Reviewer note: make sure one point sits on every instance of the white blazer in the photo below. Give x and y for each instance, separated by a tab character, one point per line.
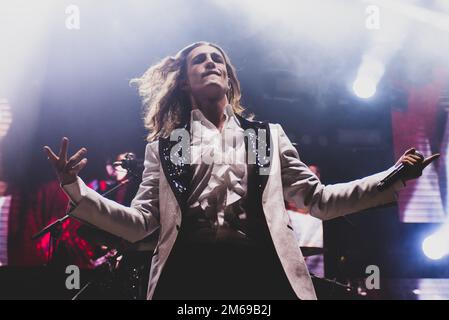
156	207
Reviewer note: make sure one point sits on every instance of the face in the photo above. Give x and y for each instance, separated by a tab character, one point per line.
117	172
206	73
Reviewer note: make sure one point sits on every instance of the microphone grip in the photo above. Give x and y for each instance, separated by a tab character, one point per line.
389	180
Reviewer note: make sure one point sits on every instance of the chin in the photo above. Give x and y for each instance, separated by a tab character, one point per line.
214	91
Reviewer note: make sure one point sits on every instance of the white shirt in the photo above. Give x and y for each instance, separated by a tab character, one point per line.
220	175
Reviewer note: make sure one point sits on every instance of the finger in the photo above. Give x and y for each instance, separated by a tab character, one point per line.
76	158
419	154
407	162
78	167
412	160
63	149
50	154
409	151
429	160
415	157
410	157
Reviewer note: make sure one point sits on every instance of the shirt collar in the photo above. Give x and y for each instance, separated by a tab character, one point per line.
197	115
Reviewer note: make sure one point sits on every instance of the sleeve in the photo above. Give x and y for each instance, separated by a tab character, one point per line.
130	223
73	191
302	186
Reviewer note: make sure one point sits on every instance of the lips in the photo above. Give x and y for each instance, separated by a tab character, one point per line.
208	73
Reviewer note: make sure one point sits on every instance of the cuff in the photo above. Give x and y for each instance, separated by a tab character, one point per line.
398	185
74	190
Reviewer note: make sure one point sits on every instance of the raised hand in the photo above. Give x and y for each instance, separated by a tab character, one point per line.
415	163
66	170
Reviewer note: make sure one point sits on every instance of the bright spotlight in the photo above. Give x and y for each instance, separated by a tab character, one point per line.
369	74
364	87
435	247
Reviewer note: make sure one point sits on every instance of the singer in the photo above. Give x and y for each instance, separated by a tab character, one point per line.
224	232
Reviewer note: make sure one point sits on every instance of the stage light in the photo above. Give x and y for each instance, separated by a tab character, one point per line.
369	74
364	87
435	246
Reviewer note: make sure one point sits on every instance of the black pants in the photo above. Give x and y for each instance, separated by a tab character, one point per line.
223	271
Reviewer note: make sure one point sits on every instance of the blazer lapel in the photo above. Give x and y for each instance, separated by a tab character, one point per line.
255	141
178	174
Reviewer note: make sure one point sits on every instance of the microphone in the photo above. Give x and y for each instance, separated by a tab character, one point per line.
398	173
129	163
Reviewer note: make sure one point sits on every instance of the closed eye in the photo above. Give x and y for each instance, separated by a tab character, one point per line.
217	58
199	58
202	56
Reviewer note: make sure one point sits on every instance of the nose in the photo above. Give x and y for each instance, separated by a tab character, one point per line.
210	64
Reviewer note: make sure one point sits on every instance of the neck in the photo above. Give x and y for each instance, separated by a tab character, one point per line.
212	109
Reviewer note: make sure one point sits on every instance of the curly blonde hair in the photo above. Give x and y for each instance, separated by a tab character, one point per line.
166	106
